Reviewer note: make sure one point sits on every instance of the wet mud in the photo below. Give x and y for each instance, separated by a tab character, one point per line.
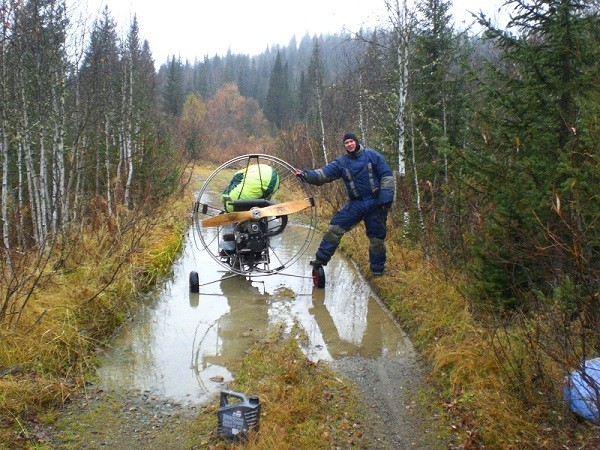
180	351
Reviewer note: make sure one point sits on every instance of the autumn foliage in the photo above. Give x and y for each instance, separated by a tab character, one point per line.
222	127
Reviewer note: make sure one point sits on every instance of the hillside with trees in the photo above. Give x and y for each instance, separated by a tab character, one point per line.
493	138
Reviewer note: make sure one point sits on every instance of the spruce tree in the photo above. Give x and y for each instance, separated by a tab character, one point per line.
278	96
536	165
173	93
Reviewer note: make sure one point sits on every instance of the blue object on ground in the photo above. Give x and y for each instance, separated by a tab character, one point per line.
582	390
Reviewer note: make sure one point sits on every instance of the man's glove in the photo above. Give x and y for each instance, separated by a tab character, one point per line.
300	174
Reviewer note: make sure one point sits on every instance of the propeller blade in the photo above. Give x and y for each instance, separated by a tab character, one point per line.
279	209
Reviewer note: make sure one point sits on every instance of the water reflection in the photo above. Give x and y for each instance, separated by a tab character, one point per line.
244	323
185	346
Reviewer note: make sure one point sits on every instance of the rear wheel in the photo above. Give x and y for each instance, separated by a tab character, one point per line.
318	274
194	282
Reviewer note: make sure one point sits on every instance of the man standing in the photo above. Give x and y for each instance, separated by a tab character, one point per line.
371	187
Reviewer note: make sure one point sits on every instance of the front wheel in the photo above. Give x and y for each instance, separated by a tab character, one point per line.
318	275
194	282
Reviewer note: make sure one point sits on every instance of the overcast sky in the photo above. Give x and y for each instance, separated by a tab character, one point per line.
192	29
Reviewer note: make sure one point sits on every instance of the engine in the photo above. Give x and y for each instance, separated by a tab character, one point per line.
251	238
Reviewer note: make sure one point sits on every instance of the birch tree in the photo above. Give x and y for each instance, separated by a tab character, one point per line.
63	129
316	87
39	38
100	86
6	11
128	122
399	17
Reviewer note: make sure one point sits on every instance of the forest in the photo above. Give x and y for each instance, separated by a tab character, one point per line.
493	137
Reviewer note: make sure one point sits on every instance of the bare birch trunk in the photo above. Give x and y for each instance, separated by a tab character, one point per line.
21	196
72	184
129	160
107	165
399	18
402	53
445	130
322	123
418	191
78	163
121	162
5	188
361	121
98	166
59	195
129	181
44	211
33	187
122	140
129	137
4	140
32	190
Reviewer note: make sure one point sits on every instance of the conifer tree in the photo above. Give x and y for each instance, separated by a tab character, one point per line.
437	104
173	93
100	88
535	167
316	87
277	104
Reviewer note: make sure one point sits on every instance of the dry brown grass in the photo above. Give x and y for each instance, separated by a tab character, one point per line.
487	376
52	350
76	307
304	405
488	379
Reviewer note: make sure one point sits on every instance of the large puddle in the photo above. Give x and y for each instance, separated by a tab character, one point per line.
182	346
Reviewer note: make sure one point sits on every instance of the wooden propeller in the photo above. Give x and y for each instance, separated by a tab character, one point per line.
279	209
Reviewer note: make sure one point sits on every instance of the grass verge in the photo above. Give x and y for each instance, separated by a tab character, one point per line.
488	380
74	309
302	402
52	351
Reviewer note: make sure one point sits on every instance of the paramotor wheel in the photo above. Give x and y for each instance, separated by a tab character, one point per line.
318	275
194	282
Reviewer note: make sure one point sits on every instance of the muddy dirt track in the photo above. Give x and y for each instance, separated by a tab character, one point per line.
146	400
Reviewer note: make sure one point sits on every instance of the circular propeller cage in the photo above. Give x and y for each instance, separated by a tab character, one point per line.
254	247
